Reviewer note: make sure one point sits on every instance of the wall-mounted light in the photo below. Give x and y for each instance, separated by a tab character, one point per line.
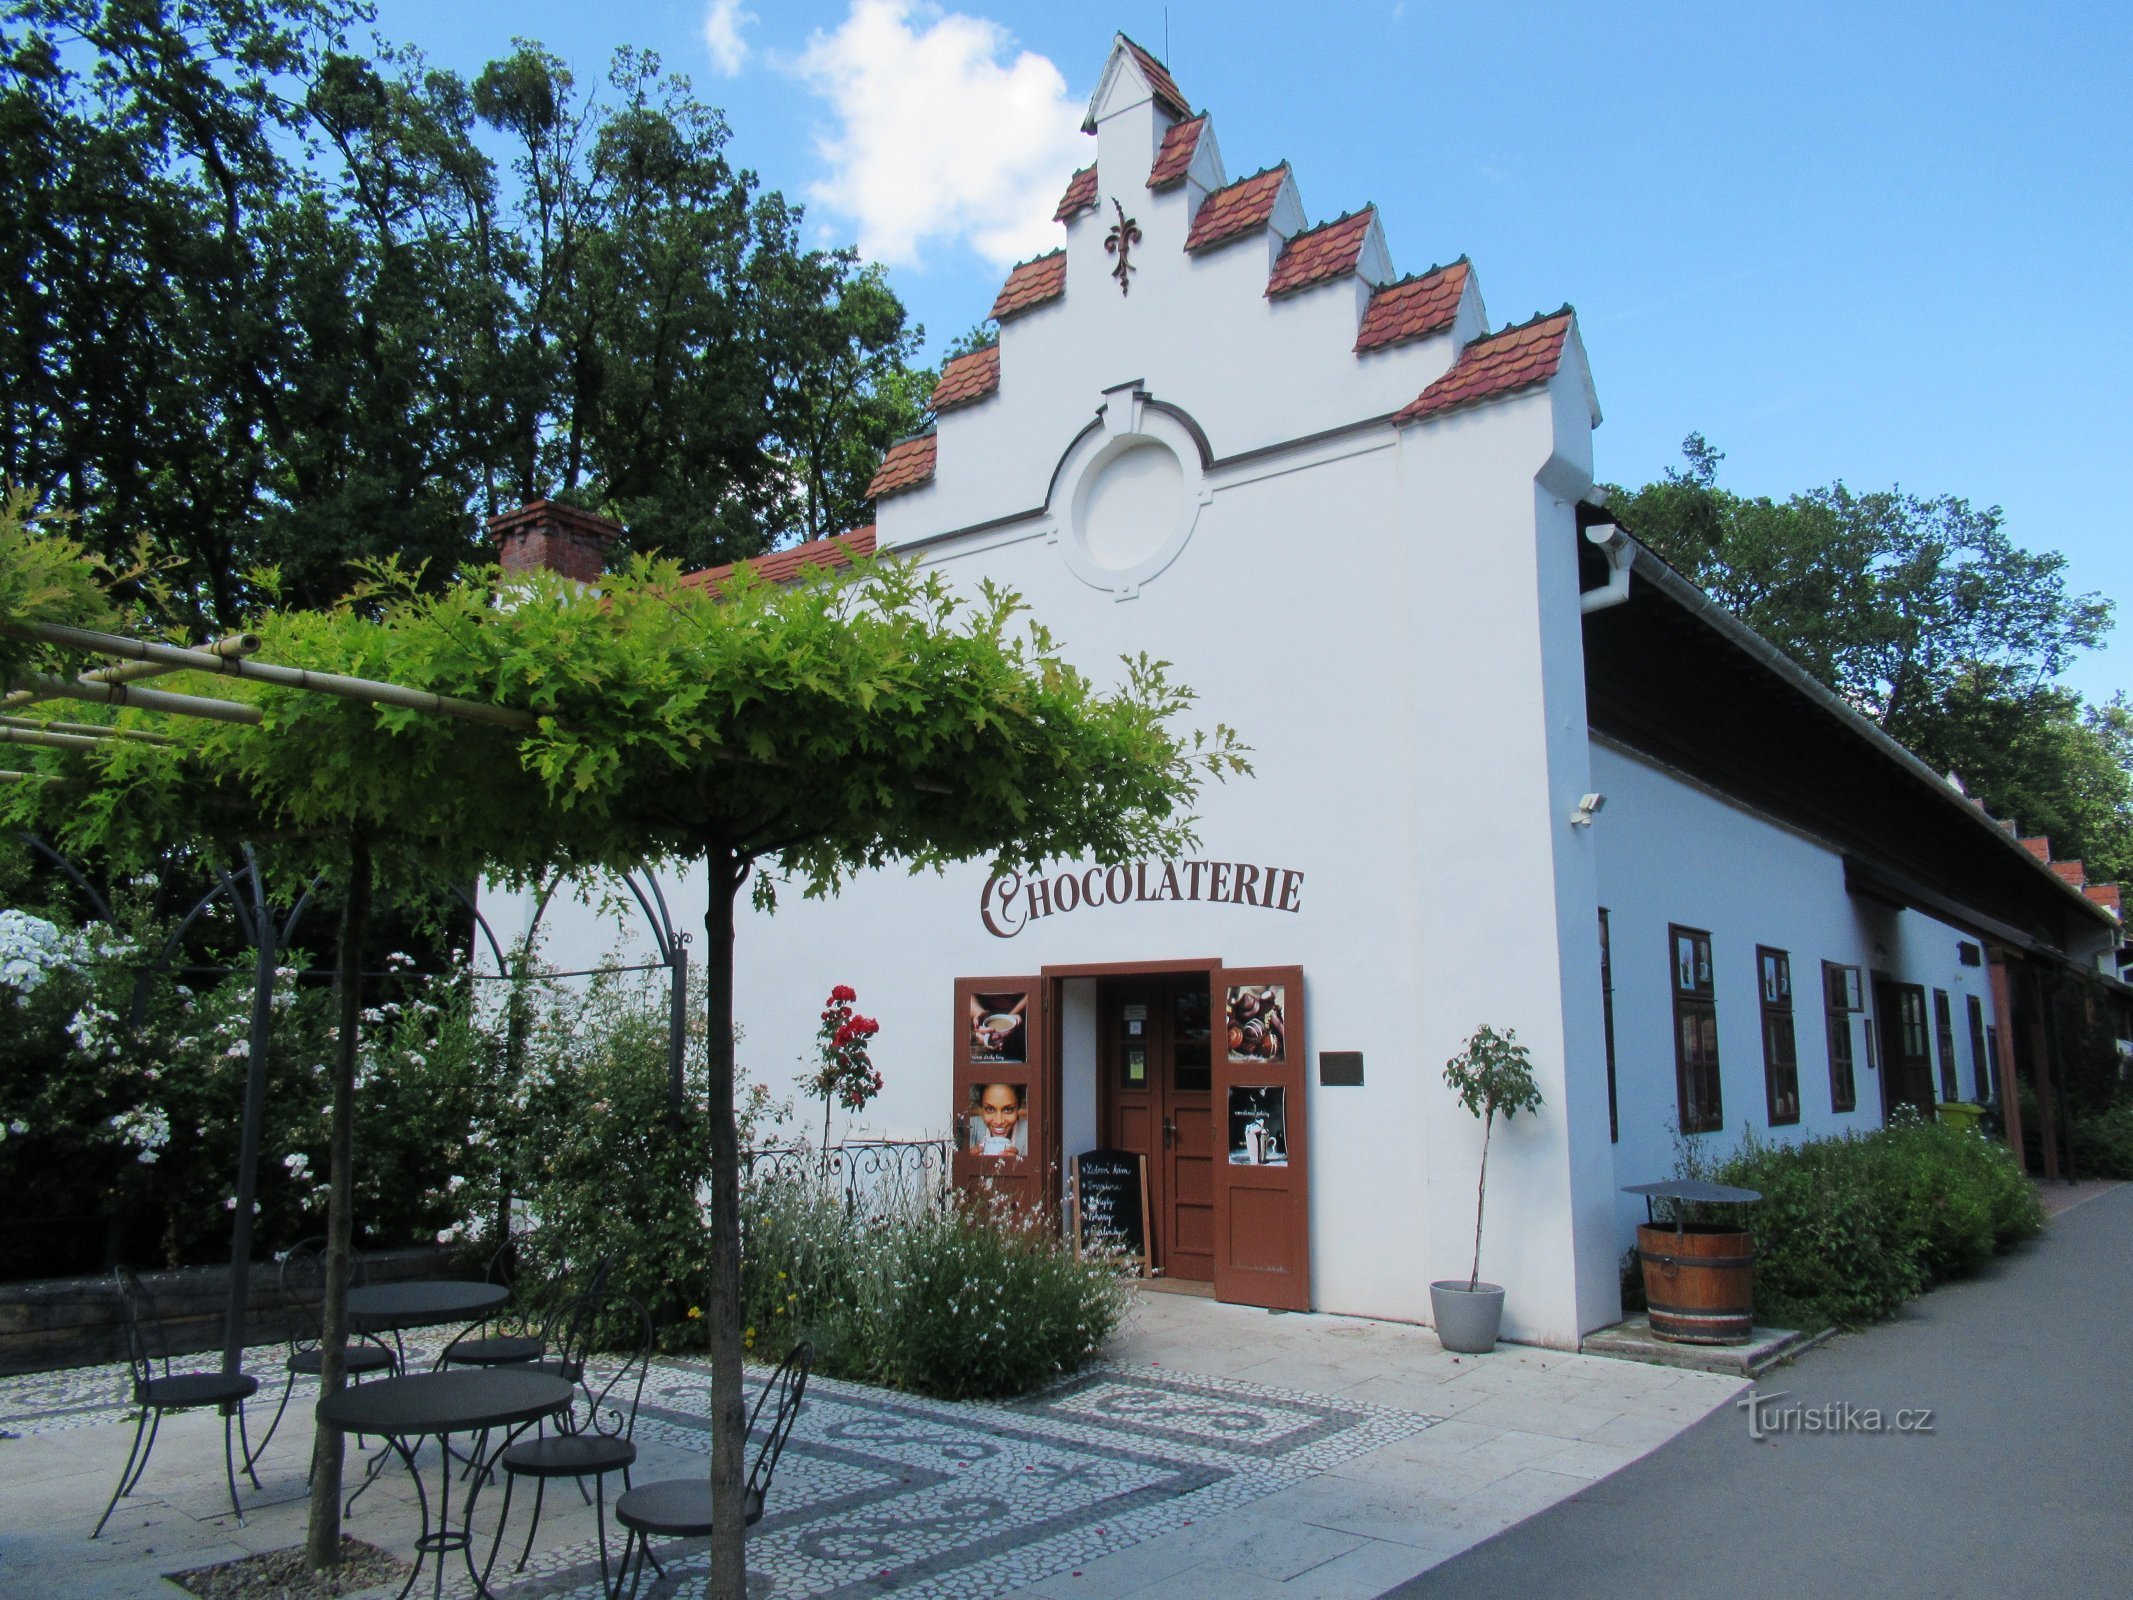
1588	807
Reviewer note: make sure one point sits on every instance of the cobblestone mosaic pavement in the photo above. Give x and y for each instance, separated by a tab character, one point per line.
879	1491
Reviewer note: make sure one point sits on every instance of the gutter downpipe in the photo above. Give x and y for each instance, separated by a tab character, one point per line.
1613	543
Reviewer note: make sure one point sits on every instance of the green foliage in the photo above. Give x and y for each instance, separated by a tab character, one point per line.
2103	1142
1924	615
1849	1228
1493	1075
954	1300
45	576
270	297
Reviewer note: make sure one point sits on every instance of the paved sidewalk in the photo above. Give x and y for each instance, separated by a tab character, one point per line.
2020	1488
1220	1450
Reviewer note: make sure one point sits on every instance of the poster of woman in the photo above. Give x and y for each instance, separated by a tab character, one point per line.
997	1124
996	1028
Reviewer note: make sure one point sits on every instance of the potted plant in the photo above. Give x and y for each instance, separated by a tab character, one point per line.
1493	1076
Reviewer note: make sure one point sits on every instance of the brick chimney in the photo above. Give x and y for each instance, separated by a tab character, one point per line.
560	538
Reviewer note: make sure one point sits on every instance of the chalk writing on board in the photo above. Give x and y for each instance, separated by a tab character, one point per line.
1108	1183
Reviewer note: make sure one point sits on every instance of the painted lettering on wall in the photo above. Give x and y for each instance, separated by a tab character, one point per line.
1012	901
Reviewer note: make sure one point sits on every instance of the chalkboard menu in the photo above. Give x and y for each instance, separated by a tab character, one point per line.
1111	1200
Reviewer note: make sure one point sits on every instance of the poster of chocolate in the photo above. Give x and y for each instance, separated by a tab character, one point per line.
997	1123
997	1028
1258	1025
1258	1126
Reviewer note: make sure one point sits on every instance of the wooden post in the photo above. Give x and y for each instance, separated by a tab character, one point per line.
2041	1062
2003	1022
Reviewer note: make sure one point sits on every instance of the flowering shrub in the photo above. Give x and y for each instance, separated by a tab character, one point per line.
950	1299
844	1073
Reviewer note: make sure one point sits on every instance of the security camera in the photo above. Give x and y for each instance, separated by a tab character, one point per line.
1588	807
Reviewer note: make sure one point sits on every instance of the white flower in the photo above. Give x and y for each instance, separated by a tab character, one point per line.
240	1051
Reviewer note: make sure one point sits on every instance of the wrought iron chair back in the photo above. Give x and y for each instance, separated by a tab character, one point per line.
782	1396
137	1309
604	1404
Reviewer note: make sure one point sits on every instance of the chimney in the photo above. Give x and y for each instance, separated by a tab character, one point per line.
559	538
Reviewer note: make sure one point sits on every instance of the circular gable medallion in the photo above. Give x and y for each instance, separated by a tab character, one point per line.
1128	494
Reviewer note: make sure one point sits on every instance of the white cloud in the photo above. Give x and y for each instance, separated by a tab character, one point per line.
722	35
939	138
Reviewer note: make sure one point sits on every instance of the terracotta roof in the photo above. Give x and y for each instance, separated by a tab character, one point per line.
2072	871
781	566
969	378
1167	93
906	466
1080	194
1413	308
1172	159
1318	254
1031	285
1523	356
1233	212
2108	896
2040	847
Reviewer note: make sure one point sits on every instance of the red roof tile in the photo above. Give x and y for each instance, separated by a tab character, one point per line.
1231	213
1413	308
1174	158
781	566
1498	364
2107	895
1031	285
906	466
969	378
2040	847
1328	251
1165	87
1080	194
2071	871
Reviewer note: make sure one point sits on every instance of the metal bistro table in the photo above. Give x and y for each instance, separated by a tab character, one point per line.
421	1303
459	1400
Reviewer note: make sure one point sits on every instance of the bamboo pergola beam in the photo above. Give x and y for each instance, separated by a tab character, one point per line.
46	687
331	683
31	777
236	644
54	741
93	730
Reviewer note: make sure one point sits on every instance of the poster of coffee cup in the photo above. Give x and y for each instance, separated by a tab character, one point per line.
997	1123
1259	1126
997	1032
1258	1023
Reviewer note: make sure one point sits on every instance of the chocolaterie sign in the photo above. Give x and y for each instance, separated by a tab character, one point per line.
1011	902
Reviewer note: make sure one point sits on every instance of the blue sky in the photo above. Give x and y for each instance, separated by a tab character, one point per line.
1887	243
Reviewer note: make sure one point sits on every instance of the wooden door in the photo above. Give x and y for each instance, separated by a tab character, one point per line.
1262	1171
1906	1054
1157	1100
1003	1109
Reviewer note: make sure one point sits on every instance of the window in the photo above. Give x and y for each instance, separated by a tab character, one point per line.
1607	1017
1992	1059
1980	1073
1696	1090
1781	1064
1842	996
1944	1037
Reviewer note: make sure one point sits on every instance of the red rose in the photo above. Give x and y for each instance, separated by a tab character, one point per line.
843	993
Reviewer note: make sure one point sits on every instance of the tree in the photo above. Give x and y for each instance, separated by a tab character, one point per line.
271	299
1925	616
854	719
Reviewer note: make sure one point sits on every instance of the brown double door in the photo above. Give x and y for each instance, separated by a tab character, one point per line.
1907	1067
1157	1099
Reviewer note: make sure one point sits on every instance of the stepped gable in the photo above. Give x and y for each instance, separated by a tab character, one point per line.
782	566
2107	895
1160	83
1080	195
1317	255
1032	284
906	466
1173	159
1232	213
1413	308
1523	356
969	378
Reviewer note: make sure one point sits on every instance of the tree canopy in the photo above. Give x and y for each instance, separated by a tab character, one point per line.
1924	614
286	304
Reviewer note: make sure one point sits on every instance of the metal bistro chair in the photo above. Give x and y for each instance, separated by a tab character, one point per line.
511	1337
157	1391
567	1335
303	1292
592	1447
680	1508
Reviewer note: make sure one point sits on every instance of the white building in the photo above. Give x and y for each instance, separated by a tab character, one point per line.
1361	524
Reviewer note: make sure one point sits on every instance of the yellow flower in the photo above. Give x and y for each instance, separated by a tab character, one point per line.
696	1313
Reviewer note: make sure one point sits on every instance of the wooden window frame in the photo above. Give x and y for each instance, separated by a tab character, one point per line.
1841	997
1699	1092
1944	1044
1607	1022
1980	1073
1781	1051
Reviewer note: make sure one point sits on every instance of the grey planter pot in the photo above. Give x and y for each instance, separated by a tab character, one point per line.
1467	1319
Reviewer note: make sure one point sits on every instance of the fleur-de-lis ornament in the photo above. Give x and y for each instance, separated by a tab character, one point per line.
1124	235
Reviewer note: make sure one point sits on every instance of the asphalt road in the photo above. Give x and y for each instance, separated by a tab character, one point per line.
2022	1486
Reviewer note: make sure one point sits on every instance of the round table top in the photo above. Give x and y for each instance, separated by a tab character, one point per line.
459	1400
420	1302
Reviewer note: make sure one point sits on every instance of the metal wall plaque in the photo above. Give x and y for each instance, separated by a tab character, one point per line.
1340	1069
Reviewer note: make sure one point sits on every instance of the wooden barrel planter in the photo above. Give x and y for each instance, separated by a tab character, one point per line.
1699	1281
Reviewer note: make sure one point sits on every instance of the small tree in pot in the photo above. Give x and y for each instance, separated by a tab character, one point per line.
1493	1076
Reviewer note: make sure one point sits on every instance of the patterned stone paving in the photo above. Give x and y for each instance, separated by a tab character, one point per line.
882	1492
